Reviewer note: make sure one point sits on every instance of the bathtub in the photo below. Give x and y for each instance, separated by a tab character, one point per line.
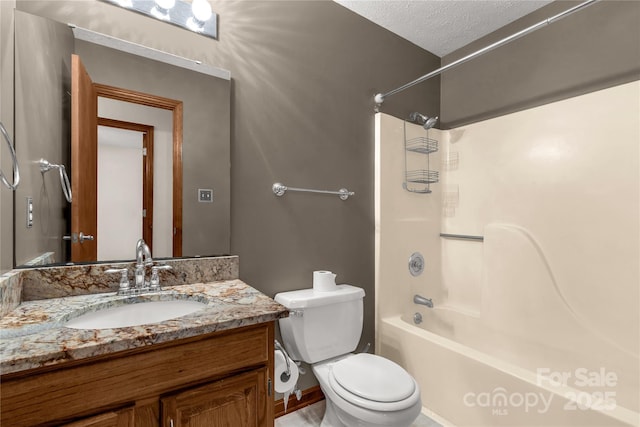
483	385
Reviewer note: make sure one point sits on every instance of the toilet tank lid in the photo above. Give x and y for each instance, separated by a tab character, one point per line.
310	298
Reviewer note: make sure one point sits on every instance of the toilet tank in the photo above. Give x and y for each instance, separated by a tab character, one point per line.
321	325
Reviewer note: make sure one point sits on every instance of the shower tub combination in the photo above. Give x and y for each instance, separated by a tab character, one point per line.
537	323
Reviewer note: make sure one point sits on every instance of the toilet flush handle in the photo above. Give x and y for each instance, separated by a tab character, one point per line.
365	349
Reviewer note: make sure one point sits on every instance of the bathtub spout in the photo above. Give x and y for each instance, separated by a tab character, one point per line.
417	299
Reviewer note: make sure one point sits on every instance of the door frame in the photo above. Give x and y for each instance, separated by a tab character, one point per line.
176	107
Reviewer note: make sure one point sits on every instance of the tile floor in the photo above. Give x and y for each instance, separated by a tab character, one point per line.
311	416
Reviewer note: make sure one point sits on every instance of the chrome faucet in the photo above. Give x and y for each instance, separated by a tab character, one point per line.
140	286
417	299
143	259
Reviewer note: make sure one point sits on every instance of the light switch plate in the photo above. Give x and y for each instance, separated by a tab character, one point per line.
205	195
29	212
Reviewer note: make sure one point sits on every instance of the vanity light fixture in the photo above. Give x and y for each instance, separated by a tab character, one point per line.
195	16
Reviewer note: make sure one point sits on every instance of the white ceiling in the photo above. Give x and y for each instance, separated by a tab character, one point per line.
442	26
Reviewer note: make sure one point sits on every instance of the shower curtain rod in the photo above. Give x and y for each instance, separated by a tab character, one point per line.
379	98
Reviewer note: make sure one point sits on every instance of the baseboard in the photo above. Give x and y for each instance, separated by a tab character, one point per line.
309	397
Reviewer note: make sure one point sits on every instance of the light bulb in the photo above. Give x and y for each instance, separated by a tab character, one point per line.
201	10
166	4
161	9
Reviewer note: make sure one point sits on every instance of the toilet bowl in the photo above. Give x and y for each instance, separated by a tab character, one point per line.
361	390
346	404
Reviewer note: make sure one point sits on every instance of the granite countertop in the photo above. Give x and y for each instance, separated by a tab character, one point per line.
33	335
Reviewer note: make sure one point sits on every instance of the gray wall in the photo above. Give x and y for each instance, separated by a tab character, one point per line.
304	117
42	131
592	49
6	117
304	75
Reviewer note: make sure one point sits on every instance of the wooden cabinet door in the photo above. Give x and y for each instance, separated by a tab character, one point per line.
84	162
121	418
237	401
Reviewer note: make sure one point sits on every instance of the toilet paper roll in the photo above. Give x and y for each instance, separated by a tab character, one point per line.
324	281
285	383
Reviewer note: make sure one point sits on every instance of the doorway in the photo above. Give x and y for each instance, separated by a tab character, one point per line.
125	186
174	107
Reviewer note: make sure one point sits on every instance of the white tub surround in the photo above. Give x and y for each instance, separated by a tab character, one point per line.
547	303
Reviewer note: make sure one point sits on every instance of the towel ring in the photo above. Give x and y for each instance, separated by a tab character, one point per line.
14	158
46	166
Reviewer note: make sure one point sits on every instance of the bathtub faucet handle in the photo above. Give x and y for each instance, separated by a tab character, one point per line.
417	299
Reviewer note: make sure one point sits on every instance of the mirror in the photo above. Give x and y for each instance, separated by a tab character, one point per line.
43	51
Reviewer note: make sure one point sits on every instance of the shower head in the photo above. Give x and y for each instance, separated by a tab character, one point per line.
425	121
430	122
417	117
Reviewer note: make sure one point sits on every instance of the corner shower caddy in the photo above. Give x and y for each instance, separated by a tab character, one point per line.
419	180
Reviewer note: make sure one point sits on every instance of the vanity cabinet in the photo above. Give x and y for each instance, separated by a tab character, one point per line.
218	379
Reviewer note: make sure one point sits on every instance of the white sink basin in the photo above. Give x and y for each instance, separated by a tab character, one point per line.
141	313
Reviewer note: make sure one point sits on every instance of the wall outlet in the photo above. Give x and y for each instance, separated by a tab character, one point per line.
205	195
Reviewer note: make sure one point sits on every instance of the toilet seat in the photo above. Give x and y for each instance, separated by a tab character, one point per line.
373	382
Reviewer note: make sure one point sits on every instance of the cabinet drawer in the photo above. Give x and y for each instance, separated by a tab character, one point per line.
121	418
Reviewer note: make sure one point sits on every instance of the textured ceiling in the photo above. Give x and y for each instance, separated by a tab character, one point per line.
442	26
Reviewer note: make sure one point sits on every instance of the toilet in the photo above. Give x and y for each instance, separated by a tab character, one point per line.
363	390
